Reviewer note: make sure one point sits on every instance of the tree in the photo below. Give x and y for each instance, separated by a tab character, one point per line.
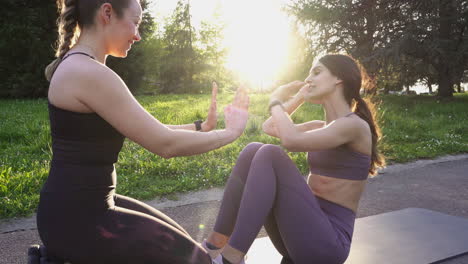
386	34
438	36
346	26
211	55
27	29
300	57
179	56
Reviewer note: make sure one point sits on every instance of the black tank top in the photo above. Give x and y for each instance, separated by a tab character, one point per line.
85	148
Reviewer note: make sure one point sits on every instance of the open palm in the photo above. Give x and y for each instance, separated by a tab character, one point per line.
212	118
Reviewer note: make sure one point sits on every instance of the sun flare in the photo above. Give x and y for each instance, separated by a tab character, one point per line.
256	36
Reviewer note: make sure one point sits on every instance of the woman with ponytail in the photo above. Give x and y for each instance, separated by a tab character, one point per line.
80	218
308	220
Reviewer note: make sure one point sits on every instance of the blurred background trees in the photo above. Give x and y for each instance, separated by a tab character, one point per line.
172	57
400	42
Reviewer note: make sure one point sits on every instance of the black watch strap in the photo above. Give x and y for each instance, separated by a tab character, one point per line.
198	124
273	103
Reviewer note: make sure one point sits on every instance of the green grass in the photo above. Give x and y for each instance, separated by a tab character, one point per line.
414	127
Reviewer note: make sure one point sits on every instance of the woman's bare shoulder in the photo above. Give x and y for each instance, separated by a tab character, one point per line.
77	78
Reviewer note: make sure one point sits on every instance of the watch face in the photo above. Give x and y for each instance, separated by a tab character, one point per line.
198	125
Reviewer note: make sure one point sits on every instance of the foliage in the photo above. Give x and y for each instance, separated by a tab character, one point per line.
25	144
192	59
175	58
398	41
26	46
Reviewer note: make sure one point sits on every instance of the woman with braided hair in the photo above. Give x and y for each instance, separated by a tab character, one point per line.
80	218
308	221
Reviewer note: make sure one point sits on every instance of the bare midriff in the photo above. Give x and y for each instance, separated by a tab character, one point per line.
340	191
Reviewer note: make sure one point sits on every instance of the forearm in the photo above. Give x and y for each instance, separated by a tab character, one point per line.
290	107
285	128
293	104
184	127
188	143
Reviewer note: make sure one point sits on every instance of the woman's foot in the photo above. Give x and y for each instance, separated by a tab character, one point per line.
220	260
230	255
212	250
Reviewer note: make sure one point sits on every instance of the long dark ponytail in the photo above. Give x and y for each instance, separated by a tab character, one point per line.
354	78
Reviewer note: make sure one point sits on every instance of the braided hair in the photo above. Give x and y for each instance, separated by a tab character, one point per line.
74	16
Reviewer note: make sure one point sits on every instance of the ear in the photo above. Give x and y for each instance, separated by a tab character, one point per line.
105	13
338	81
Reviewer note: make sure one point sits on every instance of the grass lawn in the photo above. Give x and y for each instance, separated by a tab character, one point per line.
414	127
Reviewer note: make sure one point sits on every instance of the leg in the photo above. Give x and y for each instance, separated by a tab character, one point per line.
275	183
127	236
232	196
273	233
135	205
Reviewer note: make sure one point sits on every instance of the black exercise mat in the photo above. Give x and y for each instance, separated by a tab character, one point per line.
408	236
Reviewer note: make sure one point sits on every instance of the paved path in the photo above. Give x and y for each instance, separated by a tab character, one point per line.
440	185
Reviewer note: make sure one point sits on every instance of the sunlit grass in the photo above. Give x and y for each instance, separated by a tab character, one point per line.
414	127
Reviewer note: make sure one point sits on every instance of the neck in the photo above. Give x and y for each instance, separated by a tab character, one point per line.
91	44
335	108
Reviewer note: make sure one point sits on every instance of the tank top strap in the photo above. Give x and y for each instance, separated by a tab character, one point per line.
79	53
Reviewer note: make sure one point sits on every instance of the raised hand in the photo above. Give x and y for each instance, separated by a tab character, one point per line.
307	93
284	92
212	119
236	114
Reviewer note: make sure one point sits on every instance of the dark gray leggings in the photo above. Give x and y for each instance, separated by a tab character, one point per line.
266	188
129	232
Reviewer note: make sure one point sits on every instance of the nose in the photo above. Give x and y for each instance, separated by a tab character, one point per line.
137	37
308	79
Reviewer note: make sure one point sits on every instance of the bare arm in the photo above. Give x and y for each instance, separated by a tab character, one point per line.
290	107
107	95
337	133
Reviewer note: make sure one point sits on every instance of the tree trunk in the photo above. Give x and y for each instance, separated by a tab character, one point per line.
445	83
445	68
429	86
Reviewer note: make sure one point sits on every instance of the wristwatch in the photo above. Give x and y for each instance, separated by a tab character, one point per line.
198	124
273	103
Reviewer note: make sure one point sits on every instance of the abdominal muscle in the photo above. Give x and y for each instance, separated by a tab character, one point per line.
340	191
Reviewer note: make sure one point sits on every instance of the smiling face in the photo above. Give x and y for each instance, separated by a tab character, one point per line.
123	32
321	81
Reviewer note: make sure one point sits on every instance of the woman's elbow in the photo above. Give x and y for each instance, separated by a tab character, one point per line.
166	155
165	149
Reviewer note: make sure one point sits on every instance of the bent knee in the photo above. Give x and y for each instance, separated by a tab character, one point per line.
272	150
253	146
251	149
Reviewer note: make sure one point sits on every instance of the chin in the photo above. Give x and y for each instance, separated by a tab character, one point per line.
120	54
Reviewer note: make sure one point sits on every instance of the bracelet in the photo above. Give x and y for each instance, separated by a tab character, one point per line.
275	102
198	125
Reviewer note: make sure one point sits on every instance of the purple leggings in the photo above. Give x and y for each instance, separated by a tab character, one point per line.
266	188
